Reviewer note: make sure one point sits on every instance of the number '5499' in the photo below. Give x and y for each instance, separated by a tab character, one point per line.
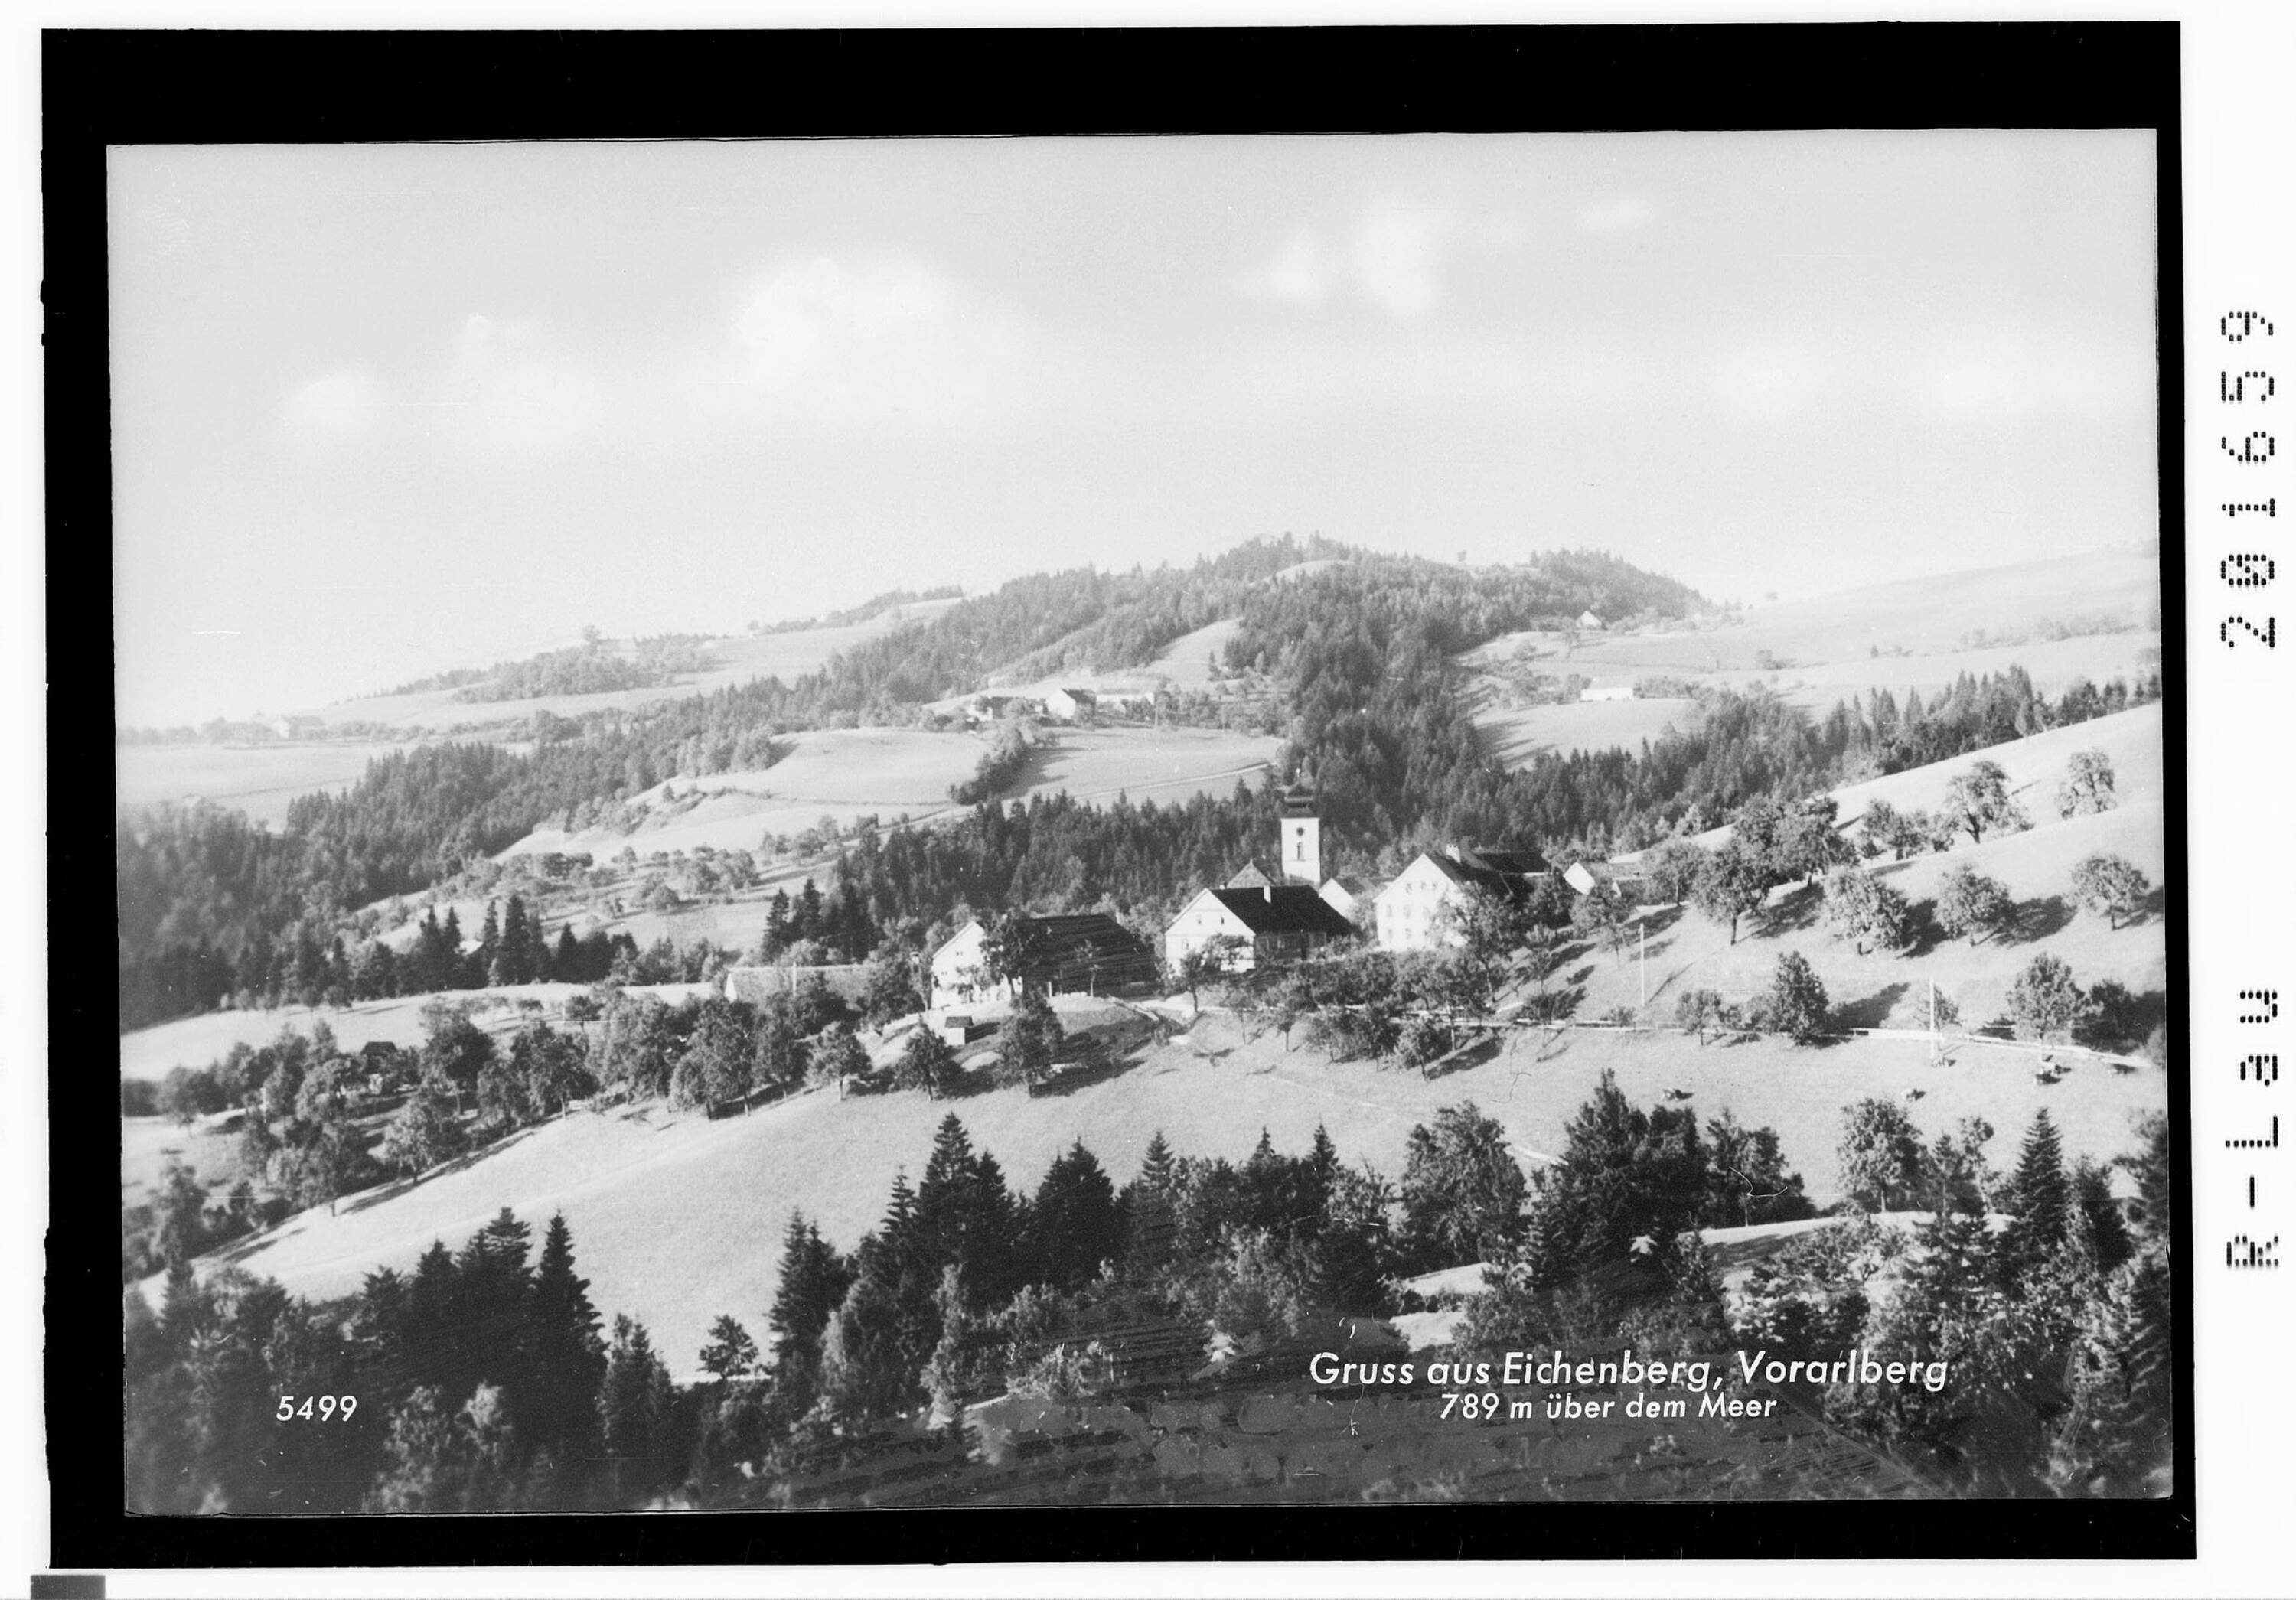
316	1407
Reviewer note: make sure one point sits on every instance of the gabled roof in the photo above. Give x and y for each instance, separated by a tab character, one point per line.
1065	948
1508	873
1249	876
1284	908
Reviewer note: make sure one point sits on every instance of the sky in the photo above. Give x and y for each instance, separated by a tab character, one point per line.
382	410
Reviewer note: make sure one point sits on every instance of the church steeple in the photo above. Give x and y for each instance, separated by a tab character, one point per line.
1302	834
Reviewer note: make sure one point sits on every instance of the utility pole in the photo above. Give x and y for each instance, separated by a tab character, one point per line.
1933	1026
1642	965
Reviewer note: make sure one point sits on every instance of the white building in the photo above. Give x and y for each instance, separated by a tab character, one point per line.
1414	912
960	970
1589	620
1068	705
1275	921
1616	691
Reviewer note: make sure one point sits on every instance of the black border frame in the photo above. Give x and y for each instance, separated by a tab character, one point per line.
104	87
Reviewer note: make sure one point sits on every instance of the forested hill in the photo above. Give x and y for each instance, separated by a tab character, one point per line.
1356	641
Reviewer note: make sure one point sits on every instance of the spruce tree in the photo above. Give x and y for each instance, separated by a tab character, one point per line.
2040	1199
1150	1213
637	1402
567	1359
1074	1225
813	1281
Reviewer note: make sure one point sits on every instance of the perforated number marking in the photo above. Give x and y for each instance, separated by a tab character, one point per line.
2247	571
2237	325
2270	999
2234	508
2249	451
2225	627
2232	387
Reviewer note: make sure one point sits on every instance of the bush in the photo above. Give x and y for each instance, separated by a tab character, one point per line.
1796	1003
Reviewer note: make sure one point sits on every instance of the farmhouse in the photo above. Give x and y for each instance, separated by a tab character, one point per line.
1615	692
1058	955
1588	618
1414	911
1583	875
1068	705
1275	921
988	708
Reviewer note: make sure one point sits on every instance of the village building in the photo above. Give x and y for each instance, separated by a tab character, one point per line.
1416	912
1588	618
1088	952
1583	875
1614	692
991	708
1070	705
1275	921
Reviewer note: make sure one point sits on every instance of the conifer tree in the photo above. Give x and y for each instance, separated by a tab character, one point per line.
2040	1201
567	1359
1074	1226
1150	1218
636	1403
813	1281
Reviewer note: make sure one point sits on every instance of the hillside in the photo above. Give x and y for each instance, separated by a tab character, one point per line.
678	1219
843	774
1920	633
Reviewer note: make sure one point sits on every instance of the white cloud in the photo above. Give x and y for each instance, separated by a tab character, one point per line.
1395	258
340	405
1298	274
1390	258
1618	215
885	340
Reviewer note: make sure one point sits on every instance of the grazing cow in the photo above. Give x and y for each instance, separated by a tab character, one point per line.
1679	1094
1914	1094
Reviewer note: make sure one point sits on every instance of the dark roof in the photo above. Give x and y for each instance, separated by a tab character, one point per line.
1285	908
1300	799
1503	871
1086	943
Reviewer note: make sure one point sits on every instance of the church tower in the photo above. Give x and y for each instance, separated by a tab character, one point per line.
1302	834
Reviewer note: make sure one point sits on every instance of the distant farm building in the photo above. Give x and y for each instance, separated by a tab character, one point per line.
1414	912
990	708
1276	921
1589	620
1616	691
1068	705
1583	876
1090	952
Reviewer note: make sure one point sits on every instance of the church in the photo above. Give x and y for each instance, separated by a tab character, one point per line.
1279	917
